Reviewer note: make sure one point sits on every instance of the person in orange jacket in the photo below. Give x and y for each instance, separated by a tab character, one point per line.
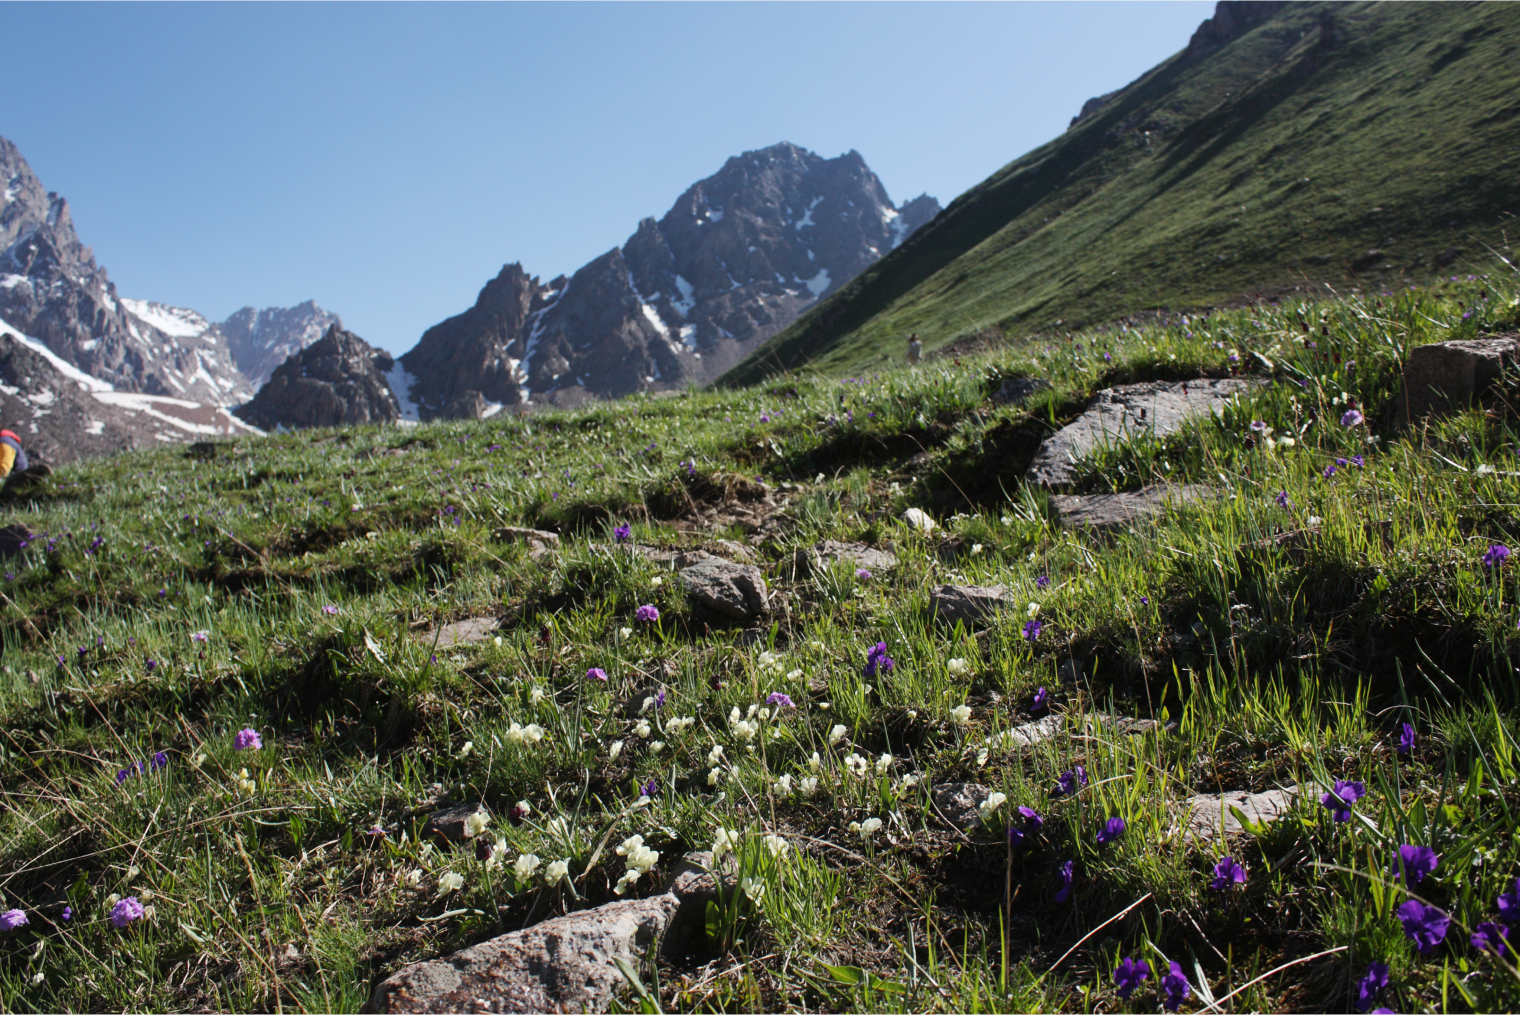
12	457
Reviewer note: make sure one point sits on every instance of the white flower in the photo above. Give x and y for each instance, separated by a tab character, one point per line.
724	839
464	751
784	784
976	548
656	582
715	755
1006	519
777	845
525	866
745	729
961	714
529	734
734	715
836	734
614	750
628	878
498	853
815	761
245	783
752	887
868	827
1033	611
910	780
450	882
797	674
714	775
677	725
643	729
557	871
536	695
1314	520
624	633
957	667
476	823
752	710
413	878
647	705
1486	470
808	786
856	764
1287	442
883	763
765	713
993	802
656	746
981	757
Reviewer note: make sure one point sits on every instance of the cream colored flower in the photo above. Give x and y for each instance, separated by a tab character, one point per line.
961	714
525	866
957	667
450	882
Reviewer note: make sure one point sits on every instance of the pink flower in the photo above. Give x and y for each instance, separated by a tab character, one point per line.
647	613
126	911
247	738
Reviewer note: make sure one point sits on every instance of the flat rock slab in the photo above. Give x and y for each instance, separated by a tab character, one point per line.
1028	734
1206	815
449	822
1448	377
857	555
466	632
967	603
734	590
1100	511
1116	414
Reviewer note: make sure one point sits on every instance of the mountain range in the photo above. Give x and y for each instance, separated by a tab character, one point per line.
1287	147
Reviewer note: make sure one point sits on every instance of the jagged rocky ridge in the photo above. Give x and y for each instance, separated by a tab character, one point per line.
337	380
260	340
737	258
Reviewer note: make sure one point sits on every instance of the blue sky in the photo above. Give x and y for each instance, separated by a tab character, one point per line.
386	160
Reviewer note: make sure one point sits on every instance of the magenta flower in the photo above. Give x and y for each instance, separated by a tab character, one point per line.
1065	873
780	699
1416	861
1424	925
330	610
1490	937
648	613
1329	471
247	738
1258	425
1112	829
11	919
1174	988
1015	837
1129	975
597	673
1032	629
623	533
862	573
125	912
1496	555
1358	461
1227	874
160	760
1351	418
1406	739
1340	799
194	636
1374	980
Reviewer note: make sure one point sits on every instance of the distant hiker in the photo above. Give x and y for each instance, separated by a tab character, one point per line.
12	458
915	349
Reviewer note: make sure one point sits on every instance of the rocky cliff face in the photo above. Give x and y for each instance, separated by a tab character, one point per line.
337	380
737	258
52	289
260	340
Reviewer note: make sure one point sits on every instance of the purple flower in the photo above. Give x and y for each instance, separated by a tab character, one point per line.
1340	799
647	613
649	789
1129	975
1015	837
597	673
659	700
1496	555
1032	820
1032	629
330	610
623	533
1351	418
764	418
1145	600
1042	581
1112	829
126	911
1490	937
1282	499
1417	861
247	738
778	698
194	636
1227	874
1509	904
1064	872
1071	780
1041	699
1174	988
1372	981
160	760
11	919
1329	471
877	658
1258	425
67	914
1358	461
1406	739
1424	925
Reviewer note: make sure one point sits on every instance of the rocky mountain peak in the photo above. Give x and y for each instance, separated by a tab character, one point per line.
738	256
340	379
260	340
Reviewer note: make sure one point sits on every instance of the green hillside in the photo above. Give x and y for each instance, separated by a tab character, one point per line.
1356	144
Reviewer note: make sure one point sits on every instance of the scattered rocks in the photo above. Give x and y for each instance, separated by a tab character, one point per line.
734	590
1111	510
565	964
960	802
821	555
1015	390
467	632
1206	815
967	603
1114	414
1450	376
452	822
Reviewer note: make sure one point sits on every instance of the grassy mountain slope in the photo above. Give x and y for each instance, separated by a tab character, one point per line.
1341	143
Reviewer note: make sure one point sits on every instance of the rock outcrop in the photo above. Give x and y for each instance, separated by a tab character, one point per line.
260	340
1113	510
741	255
1448	377
337	380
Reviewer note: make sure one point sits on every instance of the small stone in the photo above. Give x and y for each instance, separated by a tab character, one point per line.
734	590
1016	390
1100	511
857	555
466	632
966	603
450	822
1207	814
960	802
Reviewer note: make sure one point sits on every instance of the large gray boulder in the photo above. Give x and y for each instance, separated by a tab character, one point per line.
734	590
1117	414
1451	376
1101	511
338	380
